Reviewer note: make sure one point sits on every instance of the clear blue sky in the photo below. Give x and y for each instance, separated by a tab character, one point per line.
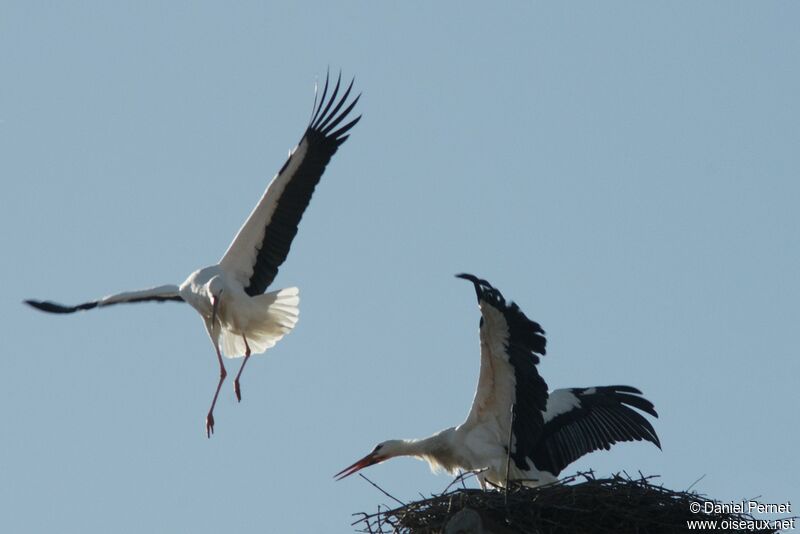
626	171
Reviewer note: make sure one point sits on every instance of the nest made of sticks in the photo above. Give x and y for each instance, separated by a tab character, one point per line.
575	505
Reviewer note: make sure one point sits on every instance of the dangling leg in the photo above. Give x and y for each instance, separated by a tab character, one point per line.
236	388
222	372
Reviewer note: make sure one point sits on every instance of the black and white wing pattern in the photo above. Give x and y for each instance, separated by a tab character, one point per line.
263	242
156	294
511	345
581	420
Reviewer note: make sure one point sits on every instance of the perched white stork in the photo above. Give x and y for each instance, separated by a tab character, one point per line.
240	319
546	432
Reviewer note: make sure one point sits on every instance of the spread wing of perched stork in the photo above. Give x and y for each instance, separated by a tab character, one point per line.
240	318
515	429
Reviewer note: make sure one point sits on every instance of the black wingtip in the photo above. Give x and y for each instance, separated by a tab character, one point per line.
633	397
38	304
50	307
322	116
630	397
530	331
328	114
326	126
319	100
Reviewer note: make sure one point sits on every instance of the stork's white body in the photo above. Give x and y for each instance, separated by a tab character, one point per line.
516	430
261	319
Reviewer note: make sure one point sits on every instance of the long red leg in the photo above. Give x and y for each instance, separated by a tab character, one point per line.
236	388
222	374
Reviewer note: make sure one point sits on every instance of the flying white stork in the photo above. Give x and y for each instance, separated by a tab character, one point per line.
240	319
546	432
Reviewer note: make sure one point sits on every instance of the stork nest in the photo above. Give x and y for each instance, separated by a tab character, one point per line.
574	505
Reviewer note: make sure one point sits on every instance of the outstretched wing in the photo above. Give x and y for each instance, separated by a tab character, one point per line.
510	348
581	420
155	294
263	242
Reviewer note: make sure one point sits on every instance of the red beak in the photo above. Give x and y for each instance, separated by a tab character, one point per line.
366	461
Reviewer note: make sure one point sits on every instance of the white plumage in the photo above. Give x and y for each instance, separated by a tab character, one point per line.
240	318
515	430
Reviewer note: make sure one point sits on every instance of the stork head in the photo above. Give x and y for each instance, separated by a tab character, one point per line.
382	451
214	287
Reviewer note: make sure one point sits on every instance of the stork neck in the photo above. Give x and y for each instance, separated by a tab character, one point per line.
430	446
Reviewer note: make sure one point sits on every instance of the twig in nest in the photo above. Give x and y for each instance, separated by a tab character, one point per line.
508	448
461	477
695	482
382	490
